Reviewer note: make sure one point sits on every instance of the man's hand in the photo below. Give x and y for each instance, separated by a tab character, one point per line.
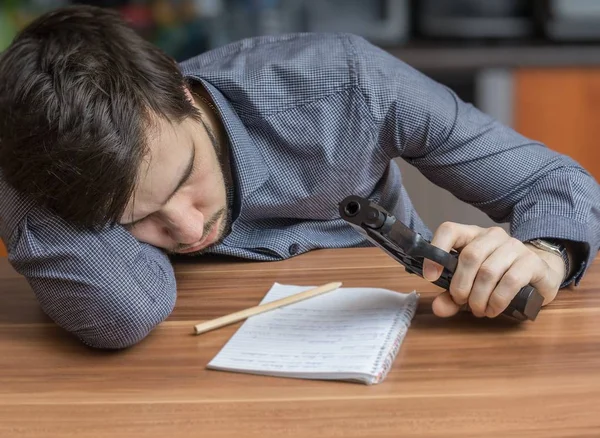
492	268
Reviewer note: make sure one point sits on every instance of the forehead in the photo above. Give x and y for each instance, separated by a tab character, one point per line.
169	151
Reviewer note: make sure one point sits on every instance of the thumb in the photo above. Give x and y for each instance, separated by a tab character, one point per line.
444	306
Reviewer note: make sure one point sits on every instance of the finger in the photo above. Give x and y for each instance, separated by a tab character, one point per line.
527	269
470	260
448	236
544	280
443	305
490	273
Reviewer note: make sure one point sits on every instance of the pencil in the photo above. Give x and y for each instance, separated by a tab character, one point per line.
243	314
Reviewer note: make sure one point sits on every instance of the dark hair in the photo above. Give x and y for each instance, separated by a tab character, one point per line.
79	90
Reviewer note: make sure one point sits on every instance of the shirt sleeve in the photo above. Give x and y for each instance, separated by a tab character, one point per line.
509	177
105	287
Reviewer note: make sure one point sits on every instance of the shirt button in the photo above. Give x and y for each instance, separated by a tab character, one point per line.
294	248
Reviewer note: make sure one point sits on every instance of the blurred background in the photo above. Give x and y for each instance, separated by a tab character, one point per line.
532	64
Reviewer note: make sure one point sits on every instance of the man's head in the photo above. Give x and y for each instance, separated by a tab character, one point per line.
98	125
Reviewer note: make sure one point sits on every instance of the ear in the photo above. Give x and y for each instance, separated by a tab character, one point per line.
188	94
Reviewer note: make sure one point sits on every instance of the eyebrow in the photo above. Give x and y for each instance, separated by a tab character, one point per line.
184	177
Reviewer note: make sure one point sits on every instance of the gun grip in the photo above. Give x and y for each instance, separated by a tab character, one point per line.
525	305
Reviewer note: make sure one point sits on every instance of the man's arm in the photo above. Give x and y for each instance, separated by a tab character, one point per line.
511	178
104	287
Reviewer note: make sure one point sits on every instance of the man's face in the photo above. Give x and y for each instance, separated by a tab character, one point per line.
180	201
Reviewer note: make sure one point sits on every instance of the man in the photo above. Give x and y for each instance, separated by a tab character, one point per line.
112	156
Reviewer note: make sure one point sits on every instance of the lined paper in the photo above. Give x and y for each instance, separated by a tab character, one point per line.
346	334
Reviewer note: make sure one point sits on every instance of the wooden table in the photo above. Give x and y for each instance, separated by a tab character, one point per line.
462	377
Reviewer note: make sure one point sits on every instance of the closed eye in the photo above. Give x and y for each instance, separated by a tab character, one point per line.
190	170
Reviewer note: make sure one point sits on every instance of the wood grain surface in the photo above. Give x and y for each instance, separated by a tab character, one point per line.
458	377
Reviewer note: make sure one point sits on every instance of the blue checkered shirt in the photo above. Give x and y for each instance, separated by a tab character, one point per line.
311	118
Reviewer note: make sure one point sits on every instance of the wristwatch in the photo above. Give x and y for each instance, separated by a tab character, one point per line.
556	247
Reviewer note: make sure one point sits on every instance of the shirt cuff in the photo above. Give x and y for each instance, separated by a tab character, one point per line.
562	228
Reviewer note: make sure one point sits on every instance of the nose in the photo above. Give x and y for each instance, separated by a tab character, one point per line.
185	226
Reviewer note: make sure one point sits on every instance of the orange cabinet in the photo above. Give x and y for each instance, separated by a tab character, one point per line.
561	108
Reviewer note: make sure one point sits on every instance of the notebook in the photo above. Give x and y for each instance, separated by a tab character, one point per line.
349	334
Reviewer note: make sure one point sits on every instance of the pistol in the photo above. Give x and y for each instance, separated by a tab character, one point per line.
411	248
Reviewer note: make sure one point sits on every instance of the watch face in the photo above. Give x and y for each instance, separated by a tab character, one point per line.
548	246
557	246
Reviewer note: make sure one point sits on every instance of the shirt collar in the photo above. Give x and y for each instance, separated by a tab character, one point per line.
248	167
